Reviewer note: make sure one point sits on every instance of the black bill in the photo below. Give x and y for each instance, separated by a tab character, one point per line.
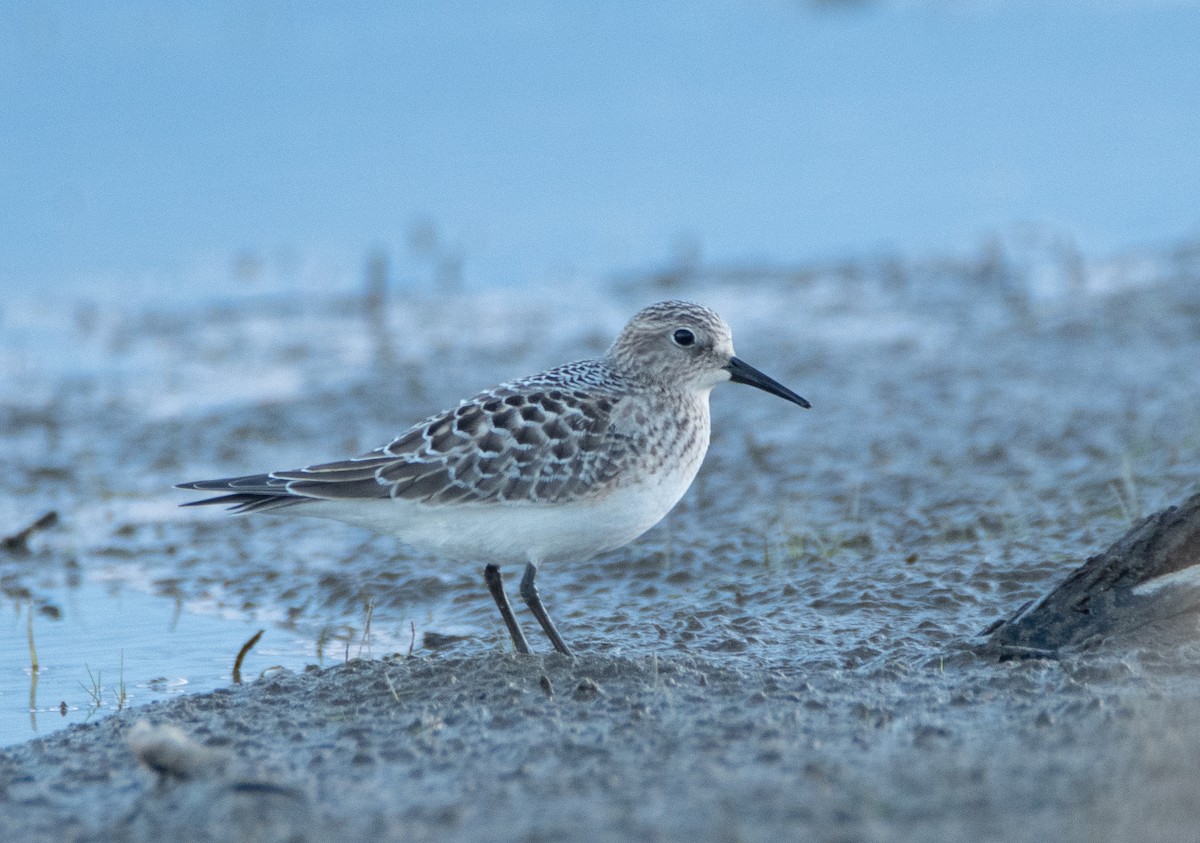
740	372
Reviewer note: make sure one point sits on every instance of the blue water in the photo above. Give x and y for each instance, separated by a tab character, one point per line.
231	144
108	647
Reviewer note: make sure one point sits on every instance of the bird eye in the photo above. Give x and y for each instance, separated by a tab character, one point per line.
683	337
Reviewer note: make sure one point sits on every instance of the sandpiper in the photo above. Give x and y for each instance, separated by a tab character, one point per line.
559	466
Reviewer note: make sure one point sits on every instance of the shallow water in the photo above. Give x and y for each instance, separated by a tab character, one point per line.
979	427
103	646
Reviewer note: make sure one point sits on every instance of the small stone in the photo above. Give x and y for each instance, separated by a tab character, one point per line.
587	689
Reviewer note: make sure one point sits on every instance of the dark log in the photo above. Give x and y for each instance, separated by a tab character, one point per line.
18	542
1146	582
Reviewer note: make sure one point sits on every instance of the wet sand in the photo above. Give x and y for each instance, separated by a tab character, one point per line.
791	653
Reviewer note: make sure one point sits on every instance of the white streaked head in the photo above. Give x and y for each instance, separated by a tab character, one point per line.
686	346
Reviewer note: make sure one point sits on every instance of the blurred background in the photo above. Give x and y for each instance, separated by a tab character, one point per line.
236	145
244	236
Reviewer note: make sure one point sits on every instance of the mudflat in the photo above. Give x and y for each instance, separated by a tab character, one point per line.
793	653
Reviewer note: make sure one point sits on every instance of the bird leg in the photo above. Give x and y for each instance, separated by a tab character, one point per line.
529	593
491	575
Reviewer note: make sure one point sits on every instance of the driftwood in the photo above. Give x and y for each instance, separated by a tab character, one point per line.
18	542
1147	581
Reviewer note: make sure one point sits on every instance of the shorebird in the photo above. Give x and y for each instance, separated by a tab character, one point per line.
558	466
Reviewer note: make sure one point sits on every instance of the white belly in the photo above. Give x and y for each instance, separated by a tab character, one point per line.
519	531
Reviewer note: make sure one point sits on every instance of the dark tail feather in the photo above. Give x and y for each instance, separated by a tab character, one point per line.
252	503
263	484
252	493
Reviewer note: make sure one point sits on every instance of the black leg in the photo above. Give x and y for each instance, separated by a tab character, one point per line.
530	594
491	575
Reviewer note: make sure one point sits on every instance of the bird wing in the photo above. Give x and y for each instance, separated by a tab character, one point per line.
516	443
